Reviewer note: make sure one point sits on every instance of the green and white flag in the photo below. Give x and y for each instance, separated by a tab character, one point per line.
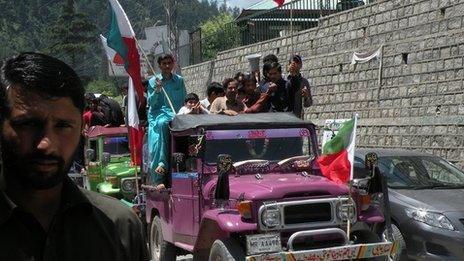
336	161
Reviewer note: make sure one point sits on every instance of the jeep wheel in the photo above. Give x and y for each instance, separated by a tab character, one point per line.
161	250
225	250
397	236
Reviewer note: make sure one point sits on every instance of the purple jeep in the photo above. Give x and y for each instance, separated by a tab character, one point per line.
248	188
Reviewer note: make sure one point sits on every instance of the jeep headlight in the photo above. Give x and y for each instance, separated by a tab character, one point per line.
271	217
128	185
346	211
433	219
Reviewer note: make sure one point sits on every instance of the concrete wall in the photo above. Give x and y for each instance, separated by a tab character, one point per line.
419	104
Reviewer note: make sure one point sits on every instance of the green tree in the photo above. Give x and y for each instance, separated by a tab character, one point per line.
103	87
72	34
218	34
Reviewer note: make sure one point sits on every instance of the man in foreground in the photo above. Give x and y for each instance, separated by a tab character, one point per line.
43	215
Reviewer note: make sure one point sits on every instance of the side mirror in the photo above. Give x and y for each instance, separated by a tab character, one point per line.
224	167
89	154
178	161
370	161
370	173
362	183
106	158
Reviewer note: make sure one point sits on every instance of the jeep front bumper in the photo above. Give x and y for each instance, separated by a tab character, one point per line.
344	252
334	253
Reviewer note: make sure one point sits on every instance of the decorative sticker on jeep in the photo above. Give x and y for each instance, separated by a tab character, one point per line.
184	175
257	134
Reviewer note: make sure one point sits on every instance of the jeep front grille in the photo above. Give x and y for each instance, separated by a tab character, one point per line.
307	213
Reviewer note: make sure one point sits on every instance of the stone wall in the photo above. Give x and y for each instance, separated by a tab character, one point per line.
419	103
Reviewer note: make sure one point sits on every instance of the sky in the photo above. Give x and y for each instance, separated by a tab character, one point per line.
241	3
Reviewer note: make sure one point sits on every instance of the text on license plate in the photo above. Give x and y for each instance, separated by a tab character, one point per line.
264	243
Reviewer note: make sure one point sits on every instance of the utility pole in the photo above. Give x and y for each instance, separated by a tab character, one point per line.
172	30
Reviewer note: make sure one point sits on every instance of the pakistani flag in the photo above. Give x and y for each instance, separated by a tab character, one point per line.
121	38
336	161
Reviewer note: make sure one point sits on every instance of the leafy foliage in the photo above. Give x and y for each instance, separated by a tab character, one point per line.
219	33
102	87
71	35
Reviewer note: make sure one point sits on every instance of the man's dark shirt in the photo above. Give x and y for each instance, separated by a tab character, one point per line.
112	110
294	86
278	101
88	226
98	119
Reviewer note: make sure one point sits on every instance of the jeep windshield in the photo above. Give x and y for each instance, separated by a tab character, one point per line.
272	145
116	146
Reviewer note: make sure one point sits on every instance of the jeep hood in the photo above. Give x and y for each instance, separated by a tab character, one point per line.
279	186
122	168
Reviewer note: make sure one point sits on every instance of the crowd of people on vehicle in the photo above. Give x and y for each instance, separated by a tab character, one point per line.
244	93
247	93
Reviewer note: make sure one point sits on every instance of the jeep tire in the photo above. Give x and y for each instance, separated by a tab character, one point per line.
226	250
160	249
397	236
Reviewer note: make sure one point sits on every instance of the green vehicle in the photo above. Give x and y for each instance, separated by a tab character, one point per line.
108	163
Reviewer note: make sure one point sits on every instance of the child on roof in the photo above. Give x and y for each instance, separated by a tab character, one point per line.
192	105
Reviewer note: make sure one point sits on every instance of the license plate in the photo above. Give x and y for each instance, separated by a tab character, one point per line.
263	243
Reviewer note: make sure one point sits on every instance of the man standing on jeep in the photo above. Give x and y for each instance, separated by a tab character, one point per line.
160	114
43	214
298	88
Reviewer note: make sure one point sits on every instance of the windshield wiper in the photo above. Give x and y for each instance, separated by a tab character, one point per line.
449	186
434	186
415	187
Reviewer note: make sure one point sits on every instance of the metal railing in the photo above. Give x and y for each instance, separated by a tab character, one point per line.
254	26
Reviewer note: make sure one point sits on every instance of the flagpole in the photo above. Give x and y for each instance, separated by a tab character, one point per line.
291	26
153	71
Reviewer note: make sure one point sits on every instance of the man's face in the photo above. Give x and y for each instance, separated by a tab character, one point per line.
250	87
274	75
167	65
231	91
295	67
39	139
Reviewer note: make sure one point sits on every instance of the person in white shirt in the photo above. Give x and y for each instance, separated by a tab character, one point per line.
213	91
192	105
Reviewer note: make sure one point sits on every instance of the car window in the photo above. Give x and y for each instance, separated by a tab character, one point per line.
398	170
438	173
116	145
419	172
